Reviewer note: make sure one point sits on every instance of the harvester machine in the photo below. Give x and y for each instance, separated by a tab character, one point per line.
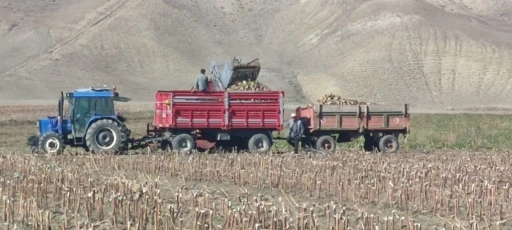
232	71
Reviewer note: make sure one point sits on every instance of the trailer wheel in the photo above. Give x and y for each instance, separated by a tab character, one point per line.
388	144
183	143
51	143
326	142
104	135
259	143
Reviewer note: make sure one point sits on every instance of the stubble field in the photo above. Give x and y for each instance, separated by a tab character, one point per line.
453	172
424	186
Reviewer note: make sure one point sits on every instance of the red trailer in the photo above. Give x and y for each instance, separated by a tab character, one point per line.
195	119
381	125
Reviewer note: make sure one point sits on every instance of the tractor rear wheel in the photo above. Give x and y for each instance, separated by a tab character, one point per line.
51	143
125	136
183	143
104	135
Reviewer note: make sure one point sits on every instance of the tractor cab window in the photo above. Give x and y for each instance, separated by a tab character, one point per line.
104	106
101	106
88	107
81	116
83	106
68	113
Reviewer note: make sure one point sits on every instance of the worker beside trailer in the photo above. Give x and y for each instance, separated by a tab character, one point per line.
296	131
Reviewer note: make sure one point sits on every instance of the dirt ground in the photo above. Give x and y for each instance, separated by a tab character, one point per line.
448	53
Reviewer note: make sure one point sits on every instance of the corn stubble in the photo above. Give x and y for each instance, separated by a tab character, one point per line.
156	192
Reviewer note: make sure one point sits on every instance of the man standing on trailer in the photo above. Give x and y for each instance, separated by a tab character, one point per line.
201	82
296	131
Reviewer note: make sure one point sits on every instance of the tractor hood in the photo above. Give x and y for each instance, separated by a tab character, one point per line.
225	74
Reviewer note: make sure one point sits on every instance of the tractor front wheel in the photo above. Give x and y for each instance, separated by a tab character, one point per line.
104	135
51	143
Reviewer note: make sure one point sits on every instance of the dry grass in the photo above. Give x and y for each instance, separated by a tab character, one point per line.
347	190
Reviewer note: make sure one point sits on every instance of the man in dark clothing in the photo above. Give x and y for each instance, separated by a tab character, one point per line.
296	131
201	82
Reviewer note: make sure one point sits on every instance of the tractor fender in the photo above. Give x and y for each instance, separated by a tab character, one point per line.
95	119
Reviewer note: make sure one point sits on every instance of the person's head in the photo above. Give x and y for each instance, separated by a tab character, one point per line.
203	71
294	116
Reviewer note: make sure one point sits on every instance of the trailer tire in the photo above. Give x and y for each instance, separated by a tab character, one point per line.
110	134
259	143
51	143
388	144
183	139
326	139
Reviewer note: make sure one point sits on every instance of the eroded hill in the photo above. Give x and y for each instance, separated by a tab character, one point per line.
454	53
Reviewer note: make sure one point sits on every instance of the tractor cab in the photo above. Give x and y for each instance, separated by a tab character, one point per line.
90	120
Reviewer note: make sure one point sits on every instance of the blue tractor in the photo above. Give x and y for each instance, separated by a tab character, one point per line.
90	121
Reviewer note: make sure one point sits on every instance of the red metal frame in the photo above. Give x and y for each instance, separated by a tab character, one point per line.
183	109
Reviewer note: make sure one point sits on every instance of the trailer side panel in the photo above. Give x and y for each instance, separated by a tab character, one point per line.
219	110
355	117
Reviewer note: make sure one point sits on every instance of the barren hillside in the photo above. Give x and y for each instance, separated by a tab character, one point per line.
450	52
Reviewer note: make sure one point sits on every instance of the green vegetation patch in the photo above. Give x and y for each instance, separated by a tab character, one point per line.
460	131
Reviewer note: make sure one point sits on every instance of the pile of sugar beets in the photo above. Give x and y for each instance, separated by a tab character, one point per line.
332	99
327	99
245	82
